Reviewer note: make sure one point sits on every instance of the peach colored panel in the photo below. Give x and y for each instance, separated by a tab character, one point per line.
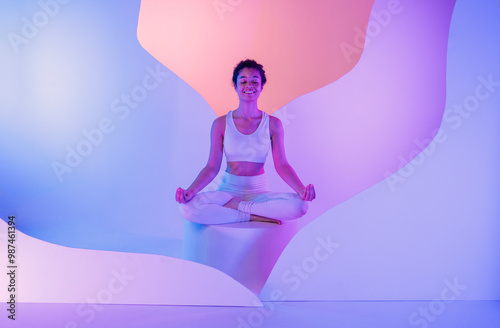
298	42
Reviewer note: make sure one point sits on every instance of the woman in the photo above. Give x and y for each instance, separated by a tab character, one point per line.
245	135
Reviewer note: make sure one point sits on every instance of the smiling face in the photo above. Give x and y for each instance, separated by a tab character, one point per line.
248	84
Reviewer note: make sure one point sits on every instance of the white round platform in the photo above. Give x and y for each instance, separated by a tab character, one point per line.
245	251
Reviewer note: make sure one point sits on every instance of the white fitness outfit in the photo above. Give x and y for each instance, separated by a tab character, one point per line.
208	207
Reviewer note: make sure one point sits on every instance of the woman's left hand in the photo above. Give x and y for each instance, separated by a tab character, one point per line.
308	193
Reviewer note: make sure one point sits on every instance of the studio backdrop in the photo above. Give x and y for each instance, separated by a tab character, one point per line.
390	108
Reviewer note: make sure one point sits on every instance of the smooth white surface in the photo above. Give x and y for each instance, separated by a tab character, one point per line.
273	315
51	273
123	187
245	251
439	221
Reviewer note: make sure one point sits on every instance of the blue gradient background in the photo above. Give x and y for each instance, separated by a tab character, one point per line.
66	78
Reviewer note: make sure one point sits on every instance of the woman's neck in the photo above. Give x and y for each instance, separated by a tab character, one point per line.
247	110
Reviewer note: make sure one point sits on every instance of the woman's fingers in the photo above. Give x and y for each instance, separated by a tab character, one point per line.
183	196
310	193
313	192
187	196
180	195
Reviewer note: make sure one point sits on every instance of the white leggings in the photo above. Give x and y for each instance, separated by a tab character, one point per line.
208	207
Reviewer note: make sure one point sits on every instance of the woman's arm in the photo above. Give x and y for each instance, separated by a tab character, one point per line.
208	173
283	168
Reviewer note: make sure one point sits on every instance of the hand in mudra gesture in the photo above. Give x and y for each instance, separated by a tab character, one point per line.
183	196
308	193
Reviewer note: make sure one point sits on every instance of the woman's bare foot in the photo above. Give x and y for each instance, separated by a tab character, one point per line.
258	218
233	203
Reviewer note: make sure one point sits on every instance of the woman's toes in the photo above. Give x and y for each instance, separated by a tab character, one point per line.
264	219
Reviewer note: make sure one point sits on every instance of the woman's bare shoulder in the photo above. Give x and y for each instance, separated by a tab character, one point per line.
219	124
274	120
275	123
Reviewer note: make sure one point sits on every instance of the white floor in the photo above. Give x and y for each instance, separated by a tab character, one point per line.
473	314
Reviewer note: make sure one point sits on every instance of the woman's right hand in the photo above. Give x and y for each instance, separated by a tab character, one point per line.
183	196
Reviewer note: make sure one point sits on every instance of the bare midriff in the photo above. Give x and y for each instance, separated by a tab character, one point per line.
245	168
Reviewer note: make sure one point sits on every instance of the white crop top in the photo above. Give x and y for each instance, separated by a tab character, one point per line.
247	147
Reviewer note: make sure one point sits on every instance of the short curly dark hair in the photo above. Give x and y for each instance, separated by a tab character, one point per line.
249	63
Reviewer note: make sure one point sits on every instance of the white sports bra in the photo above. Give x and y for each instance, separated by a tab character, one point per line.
247	147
